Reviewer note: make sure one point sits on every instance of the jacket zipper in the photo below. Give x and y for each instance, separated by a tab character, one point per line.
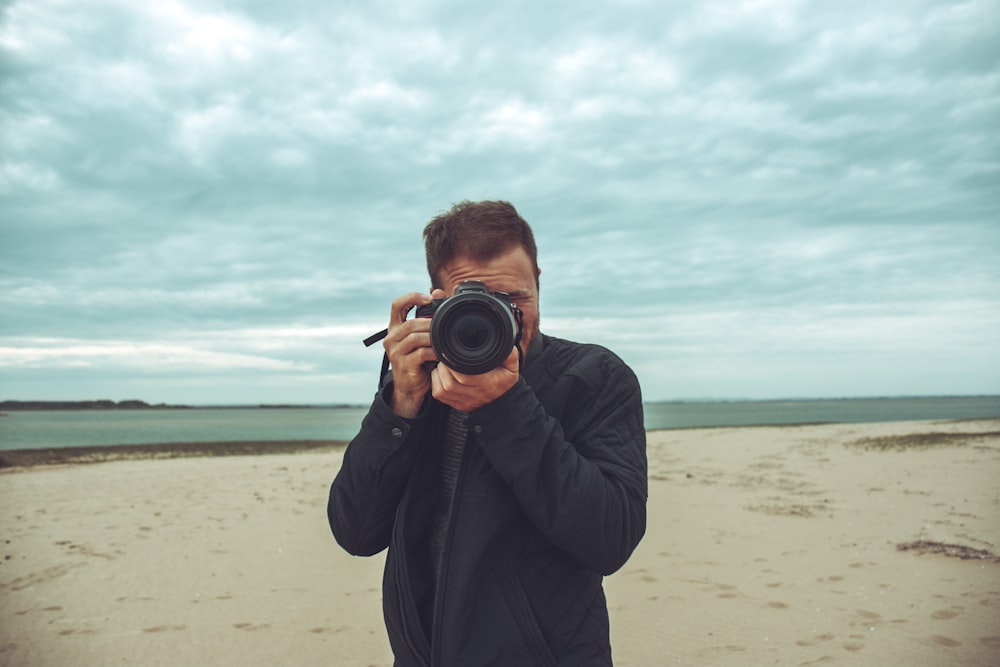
445	557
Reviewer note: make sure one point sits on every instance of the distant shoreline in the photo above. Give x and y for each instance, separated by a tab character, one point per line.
133	404
29	458
137	404
100	404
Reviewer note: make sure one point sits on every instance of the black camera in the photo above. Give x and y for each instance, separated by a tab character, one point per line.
473	331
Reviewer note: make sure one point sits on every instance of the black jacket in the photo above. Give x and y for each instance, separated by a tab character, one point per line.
551	495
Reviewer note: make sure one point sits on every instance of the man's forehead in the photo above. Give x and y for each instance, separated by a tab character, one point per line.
512	272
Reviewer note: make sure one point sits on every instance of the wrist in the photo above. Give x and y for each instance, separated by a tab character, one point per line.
407	407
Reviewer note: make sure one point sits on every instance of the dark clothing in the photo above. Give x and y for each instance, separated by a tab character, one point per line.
453	449
550	496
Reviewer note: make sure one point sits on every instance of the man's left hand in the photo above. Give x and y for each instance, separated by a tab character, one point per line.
471	392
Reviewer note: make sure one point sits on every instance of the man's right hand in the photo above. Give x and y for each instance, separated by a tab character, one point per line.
408	345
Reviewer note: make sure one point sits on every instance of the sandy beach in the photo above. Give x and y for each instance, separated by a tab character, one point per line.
872	544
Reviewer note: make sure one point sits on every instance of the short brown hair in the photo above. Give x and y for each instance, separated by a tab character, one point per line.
480	231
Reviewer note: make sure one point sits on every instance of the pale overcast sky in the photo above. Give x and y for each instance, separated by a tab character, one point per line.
213	202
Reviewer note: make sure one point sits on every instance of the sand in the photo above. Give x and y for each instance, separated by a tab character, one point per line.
766	546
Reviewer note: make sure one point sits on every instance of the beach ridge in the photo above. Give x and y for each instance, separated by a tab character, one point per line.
27	458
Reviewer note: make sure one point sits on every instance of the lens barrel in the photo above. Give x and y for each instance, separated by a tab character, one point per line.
473	331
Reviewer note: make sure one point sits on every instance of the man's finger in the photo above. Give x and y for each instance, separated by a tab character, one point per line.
401	306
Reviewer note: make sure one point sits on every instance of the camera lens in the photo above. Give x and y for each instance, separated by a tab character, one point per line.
473	332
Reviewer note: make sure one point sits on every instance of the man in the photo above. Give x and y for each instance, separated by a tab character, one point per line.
504	497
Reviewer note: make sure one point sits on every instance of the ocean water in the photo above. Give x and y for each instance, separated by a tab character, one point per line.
848	410
67	428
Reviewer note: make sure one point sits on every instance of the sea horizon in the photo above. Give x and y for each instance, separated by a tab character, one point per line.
129	403
96	427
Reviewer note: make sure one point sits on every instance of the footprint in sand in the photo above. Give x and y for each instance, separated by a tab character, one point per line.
251	626
728	592
328	631
945	614
48	574
947	642
24	612
165	628
815	640
641	572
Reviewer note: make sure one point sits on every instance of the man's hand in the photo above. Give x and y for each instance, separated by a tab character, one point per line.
470	392
408	345
415	370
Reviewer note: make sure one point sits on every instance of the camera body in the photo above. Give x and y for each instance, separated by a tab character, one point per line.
474	330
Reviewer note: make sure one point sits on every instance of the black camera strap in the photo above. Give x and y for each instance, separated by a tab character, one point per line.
519	316
371	340
375	337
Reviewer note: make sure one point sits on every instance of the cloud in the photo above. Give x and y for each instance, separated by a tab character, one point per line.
722	171
148	357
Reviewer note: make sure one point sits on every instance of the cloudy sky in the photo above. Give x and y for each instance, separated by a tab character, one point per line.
214	202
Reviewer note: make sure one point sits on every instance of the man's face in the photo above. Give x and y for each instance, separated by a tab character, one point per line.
511	272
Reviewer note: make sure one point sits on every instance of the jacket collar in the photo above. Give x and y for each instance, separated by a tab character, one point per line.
536	348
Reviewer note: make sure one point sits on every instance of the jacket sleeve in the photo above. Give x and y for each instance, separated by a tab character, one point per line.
374	472
586	491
